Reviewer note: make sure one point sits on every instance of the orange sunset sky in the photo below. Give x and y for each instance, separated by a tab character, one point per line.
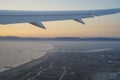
105	26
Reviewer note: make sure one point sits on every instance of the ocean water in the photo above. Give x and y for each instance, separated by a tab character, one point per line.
15	53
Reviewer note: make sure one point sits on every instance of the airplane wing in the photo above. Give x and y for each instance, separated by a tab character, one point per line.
37	17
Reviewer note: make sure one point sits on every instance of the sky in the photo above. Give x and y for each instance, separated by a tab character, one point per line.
106	26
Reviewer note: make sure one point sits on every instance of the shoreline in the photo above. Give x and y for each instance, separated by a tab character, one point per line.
63	65
27	65
5	68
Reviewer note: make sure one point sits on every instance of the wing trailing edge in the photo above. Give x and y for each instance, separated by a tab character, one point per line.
33	17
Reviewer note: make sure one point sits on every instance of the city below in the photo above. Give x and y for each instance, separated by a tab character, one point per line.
65	63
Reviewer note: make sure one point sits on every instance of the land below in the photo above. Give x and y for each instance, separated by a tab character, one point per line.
68	64
59	38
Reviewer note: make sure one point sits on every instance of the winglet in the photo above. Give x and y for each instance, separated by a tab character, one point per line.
38	24
80	21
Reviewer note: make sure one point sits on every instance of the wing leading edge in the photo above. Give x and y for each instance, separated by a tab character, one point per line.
37	17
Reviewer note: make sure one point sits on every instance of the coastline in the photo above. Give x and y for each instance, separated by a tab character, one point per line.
5	68
21	53
24	66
